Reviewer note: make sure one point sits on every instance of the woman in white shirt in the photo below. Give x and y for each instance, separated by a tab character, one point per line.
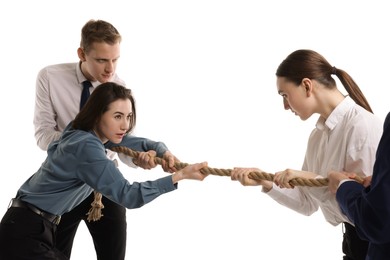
345	138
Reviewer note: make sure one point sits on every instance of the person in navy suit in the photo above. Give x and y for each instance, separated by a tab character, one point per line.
367	204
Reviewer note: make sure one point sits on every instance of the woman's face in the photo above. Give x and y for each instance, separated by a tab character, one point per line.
115	122
295	98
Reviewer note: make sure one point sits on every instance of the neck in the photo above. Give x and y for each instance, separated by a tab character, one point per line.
331	100
102	139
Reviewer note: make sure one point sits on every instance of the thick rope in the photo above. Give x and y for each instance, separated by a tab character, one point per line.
95	212
227	172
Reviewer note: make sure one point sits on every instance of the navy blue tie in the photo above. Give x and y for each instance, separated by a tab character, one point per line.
85	93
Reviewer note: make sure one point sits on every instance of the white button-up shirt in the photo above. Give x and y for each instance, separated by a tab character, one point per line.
346	141
57	102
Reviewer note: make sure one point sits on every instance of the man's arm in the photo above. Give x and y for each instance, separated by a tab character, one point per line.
369	207
44	115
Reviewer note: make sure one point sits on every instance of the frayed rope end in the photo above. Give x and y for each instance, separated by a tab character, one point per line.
95	212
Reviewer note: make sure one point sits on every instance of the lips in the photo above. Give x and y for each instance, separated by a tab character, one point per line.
106	77
120	135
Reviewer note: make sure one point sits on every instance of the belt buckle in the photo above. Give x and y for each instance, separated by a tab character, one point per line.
57	220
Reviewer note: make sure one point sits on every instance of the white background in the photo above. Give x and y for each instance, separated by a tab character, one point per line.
203	74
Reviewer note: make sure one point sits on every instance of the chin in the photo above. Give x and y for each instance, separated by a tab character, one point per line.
303	118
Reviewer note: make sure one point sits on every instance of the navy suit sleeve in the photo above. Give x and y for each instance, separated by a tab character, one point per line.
369	208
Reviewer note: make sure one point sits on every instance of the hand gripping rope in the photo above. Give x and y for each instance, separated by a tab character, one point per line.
95	214
226	172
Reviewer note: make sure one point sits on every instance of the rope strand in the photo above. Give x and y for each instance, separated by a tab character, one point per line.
95	212
227	172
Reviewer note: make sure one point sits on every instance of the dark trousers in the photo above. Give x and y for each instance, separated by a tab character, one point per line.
108	233
24	235
354	248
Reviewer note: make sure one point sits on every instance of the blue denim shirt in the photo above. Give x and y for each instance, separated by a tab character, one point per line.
77	164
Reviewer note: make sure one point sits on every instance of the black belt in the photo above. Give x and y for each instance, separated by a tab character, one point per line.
49	217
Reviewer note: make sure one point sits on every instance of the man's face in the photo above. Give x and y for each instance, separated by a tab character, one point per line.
100	62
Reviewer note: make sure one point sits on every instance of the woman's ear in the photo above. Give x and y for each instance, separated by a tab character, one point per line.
308	86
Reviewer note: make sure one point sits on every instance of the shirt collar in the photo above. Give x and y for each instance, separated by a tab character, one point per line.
336	115
81	78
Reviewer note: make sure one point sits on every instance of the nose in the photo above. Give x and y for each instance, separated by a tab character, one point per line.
110	67
125	124
285	104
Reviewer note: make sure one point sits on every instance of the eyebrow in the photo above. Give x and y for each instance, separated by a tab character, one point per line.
105	59
117	112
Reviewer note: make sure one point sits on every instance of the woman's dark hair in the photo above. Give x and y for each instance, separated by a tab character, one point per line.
302	64
98	103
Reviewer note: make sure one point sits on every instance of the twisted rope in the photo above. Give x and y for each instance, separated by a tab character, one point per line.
95	212
227	172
